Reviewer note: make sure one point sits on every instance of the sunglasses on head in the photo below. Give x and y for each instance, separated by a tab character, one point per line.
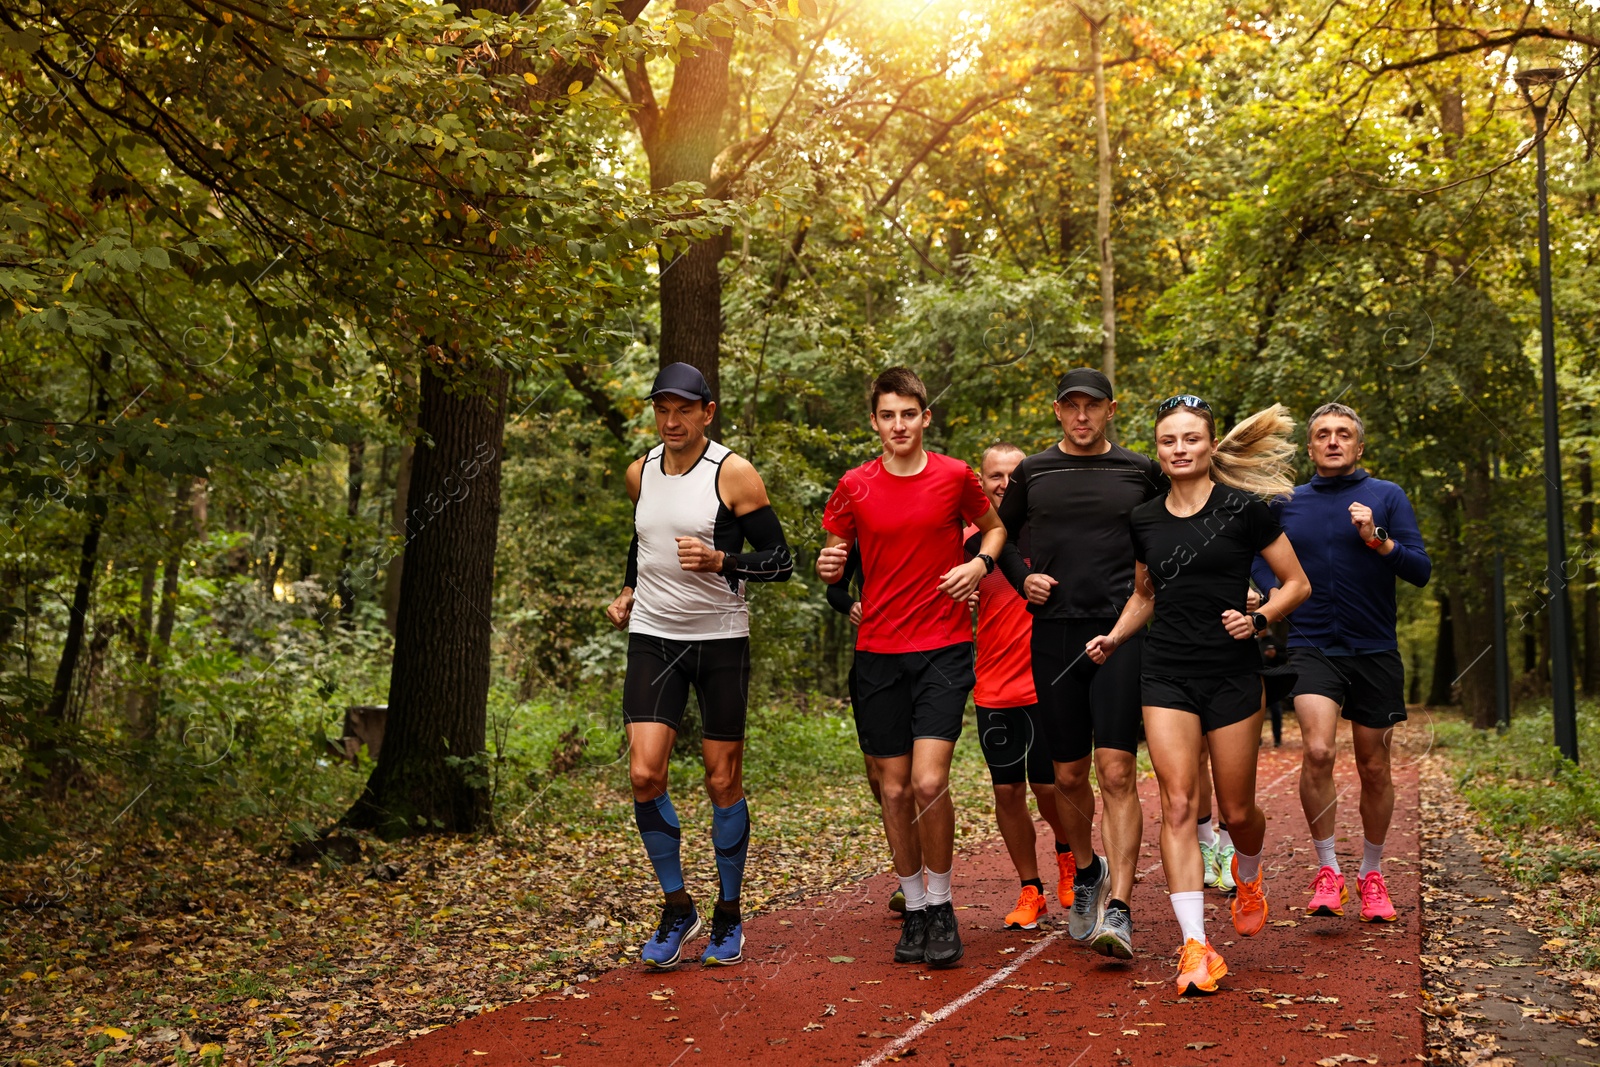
1182	400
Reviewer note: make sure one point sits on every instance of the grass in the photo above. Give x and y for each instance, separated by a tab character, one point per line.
1543	810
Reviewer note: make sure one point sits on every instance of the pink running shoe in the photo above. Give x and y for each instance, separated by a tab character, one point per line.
1328	894
1376	907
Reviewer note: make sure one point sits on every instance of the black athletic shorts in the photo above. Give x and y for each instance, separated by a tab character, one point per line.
1085	705
903	696
1218	701
1370	689
661	670
1014	745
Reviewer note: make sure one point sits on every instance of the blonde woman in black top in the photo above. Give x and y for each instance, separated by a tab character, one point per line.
1201	678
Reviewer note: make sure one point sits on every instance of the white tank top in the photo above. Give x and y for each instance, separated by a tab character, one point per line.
669	601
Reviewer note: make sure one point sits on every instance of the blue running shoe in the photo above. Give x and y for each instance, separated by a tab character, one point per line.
664	951
727	941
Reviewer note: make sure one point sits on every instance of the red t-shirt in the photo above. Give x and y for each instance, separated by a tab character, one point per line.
1005	639
908	529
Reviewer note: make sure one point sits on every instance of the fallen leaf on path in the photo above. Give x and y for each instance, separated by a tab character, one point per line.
841	959
1198	1045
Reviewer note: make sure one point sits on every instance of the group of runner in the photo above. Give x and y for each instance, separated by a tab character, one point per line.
1113	596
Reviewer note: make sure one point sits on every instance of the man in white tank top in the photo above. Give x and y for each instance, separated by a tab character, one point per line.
682	603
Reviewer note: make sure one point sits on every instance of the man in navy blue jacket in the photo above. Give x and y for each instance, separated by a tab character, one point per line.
1354	534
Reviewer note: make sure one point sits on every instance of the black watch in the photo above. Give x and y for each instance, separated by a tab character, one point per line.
1259	621
988	562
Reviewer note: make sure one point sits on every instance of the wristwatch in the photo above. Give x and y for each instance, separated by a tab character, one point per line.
988	562
1259	621
1379	536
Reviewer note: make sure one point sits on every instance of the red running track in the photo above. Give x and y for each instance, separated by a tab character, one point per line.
818	986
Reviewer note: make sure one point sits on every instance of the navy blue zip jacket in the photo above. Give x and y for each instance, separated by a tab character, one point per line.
1351	608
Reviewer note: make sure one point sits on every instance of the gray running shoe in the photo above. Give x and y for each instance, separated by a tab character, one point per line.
1114	935
1089	904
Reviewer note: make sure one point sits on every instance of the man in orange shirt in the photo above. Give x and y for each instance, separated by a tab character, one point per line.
1010	730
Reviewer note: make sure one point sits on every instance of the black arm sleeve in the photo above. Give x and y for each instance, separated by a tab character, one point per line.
1013	566
770	560
838	594
630	577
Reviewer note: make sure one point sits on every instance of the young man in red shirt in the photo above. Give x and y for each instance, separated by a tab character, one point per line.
1010	729
905	510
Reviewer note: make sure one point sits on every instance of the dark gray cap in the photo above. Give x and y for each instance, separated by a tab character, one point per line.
681	379
1085	380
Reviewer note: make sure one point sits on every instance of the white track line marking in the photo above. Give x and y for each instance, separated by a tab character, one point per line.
957	1004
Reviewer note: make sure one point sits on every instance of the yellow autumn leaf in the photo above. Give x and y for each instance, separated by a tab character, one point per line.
531	79
196	396
794	8
210	1048
575	88
114	1033
68	283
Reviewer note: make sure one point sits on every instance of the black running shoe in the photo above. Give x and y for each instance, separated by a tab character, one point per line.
913	937
944	943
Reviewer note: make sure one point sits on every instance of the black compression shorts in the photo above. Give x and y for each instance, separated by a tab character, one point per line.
1014	745
1085	705
661	670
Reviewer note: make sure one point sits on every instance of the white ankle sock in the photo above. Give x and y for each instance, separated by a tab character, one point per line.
939	887
1325	856
1190	908
1371	857
1206	831
1223	840
916	896
1249	866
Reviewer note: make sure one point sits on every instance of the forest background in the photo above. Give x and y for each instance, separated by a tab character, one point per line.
331	325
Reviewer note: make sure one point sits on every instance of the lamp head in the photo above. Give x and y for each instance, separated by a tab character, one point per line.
1539	84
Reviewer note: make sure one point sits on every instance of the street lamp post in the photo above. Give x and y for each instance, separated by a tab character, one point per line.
1537	87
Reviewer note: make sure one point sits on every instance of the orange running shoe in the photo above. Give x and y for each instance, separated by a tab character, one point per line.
1030	905
1249	905
1376	907
1328	894
1068	868
1199	967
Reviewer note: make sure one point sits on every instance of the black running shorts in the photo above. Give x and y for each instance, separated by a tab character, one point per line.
1014	745
903	696
661	670
1085	705
1218	701
1370	689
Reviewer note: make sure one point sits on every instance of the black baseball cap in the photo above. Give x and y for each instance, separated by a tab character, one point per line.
681	379
1084	380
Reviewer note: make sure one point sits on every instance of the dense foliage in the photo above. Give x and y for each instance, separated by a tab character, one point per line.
238	237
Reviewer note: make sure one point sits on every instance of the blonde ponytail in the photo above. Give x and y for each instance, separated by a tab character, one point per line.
1257	456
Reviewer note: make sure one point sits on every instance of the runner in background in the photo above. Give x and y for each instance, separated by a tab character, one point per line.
1202	667
1010	730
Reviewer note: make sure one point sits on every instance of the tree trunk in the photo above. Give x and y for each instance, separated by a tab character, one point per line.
171	572
431	775
1102	218
141	724
53	746
1590	666
352	511
1444	655
396	568
681	141
1474	617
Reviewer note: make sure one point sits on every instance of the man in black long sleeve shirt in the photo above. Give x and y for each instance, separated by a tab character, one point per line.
1076	497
